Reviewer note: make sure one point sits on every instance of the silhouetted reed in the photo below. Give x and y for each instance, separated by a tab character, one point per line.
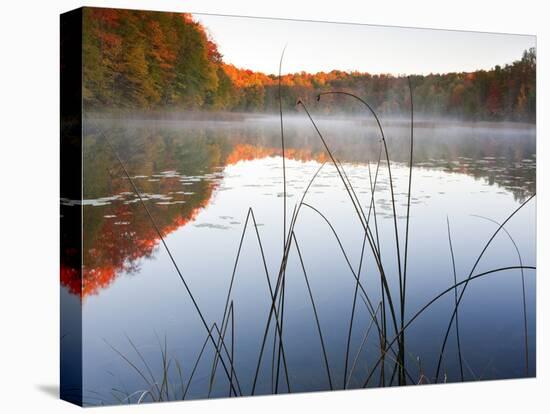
391	345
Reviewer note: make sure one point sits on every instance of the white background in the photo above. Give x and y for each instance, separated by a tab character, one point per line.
29	192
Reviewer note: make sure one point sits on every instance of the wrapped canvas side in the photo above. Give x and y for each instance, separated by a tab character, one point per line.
71	207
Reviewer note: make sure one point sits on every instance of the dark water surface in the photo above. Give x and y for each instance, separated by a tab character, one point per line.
200	178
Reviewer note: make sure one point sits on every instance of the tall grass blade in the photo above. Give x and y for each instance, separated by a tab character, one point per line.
456	301
323	348
159	234
486	246
523	296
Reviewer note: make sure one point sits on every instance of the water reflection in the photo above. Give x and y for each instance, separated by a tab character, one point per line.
179	167
199	179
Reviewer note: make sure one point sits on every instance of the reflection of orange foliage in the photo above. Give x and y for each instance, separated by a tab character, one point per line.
70	278
247	152
97	278
115	250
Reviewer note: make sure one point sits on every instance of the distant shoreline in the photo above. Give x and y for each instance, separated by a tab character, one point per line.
420	121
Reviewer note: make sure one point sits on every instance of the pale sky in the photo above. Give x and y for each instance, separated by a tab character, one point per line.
257	44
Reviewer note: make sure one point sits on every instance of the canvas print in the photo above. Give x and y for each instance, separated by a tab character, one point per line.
255	206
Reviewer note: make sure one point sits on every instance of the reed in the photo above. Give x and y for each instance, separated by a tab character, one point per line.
323	348
391	350
456	301
466	282
172	260
523	296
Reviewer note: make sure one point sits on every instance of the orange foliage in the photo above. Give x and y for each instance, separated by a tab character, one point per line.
109	17
243	78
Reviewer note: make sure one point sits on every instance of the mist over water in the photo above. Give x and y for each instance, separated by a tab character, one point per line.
199	177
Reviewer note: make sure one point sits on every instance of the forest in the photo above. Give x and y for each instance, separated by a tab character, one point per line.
135	60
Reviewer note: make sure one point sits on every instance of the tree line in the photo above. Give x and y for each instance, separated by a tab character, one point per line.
158	60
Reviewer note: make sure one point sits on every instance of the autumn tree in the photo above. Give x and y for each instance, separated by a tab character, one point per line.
148	60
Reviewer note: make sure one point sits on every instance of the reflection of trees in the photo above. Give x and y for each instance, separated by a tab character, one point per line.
116	235
117	247
248	152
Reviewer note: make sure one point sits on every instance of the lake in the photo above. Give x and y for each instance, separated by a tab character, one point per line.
199	178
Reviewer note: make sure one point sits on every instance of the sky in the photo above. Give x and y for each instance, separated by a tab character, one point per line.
257	44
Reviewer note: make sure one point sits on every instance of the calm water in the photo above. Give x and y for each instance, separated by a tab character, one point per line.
200	178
